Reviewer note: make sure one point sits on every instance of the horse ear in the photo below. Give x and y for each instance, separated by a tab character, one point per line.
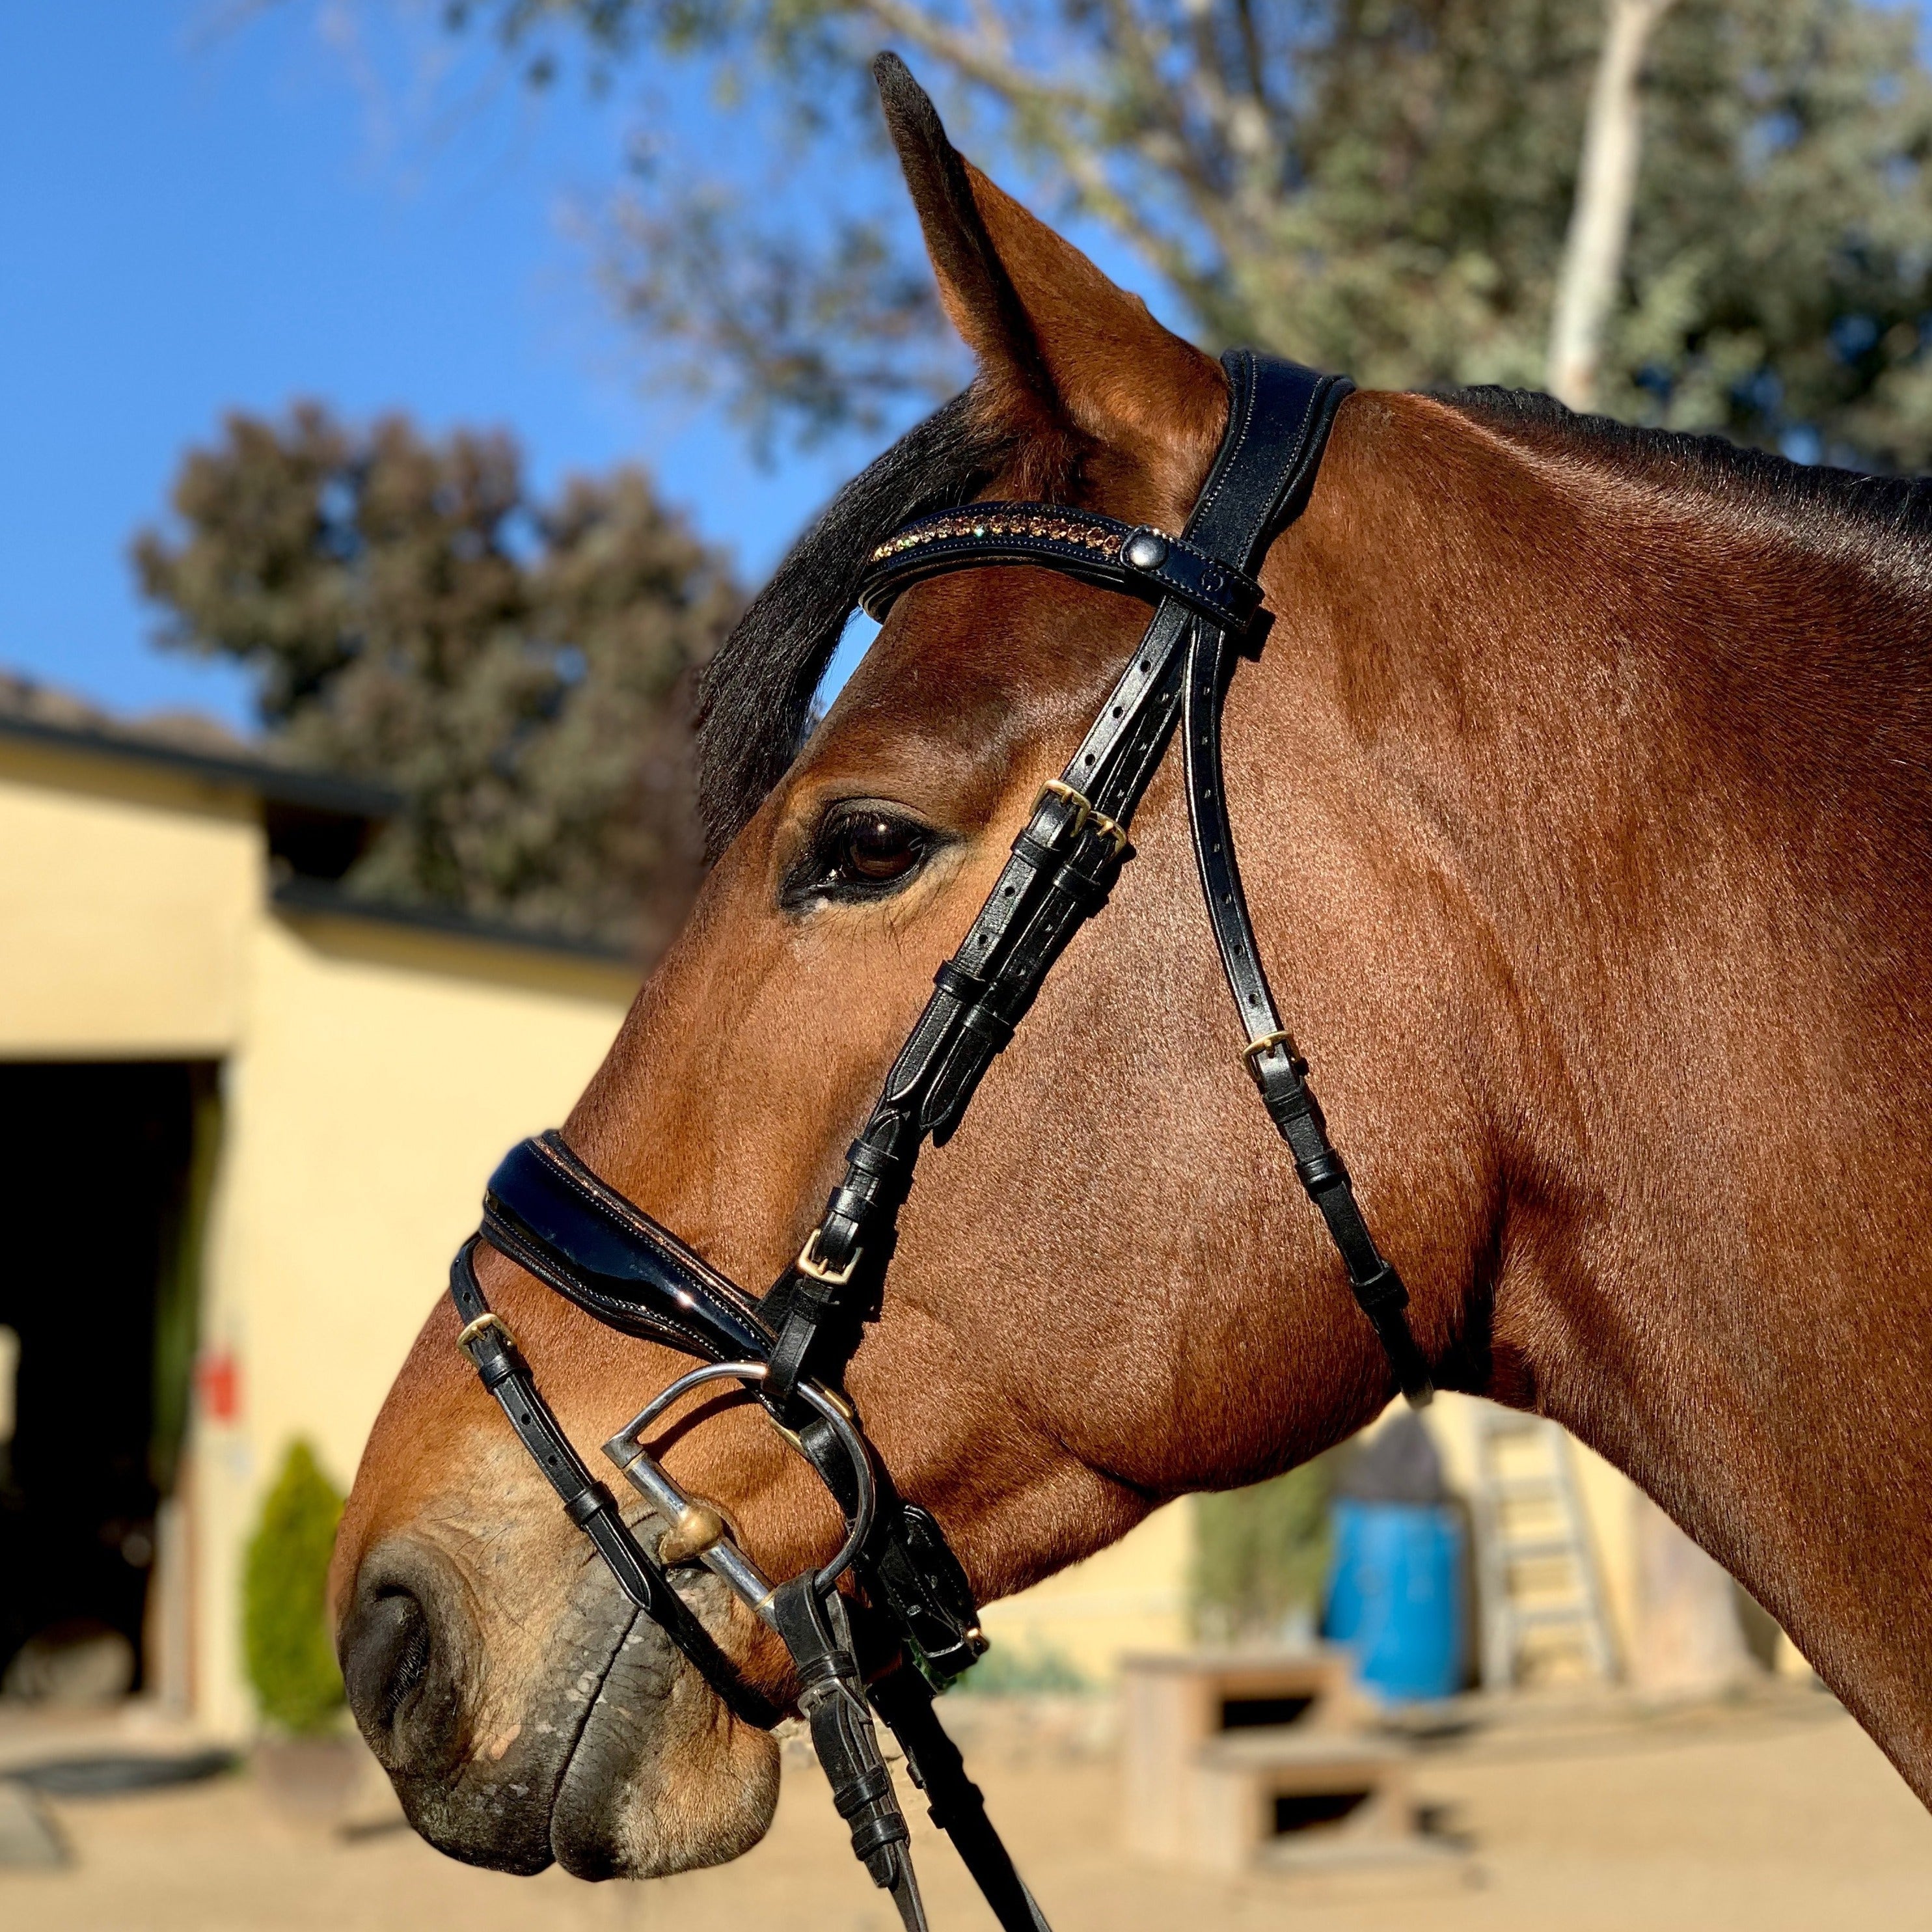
1065	357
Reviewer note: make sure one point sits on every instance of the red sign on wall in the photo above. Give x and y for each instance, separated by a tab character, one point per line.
218	1380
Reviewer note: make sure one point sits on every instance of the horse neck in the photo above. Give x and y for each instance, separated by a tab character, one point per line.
1642	746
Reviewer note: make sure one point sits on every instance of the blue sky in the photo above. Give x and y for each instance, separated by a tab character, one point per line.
206	205
213	204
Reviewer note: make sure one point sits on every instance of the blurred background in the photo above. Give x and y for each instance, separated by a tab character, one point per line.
402	399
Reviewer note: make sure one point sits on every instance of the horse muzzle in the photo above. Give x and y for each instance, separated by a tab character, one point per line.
573	1733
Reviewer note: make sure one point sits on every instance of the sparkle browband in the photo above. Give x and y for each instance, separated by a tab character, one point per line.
1135	558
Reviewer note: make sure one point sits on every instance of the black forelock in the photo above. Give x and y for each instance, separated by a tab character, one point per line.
755	696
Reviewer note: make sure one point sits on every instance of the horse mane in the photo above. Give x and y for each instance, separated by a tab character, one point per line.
754	699
1823	504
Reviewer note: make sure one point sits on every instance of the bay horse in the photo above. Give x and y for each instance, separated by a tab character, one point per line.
1584	785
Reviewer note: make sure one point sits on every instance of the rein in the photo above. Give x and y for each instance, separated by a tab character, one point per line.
910	1625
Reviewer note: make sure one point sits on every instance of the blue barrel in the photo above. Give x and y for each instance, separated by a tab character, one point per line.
1395	1596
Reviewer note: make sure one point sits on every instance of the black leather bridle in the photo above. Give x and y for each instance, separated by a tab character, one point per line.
910	1624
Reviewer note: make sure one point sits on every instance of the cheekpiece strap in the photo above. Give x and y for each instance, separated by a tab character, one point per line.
486	1338
1066	858
1135	558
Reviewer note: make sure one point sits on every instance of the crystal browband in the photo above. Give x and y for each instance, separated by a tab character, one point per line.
1096	532
1136	558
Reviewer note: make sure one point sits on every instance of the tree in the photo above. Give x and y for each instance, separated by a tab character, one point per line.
1382	185
517	670
1593	254
1260	1556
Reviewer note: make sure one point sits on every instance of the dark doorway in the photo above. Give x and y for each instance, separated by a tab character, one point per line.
1309	1810
104	1178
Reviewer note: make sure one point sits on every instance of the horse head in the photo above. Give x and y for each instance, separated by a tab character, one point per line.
1108	1290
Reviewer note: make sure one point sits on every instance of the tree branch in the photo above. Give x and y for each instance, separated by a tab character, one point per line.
985	60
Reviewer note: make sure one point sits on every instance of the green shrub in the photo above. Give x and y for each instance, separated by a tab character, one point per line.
1261	1556
1029	1670
284	1619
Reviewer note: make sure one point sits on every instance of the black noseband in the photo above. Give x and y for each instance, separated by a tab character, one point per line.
912	1624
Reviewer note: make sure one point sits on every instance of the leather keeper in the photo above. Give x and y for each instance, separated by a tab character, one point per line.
850	1204
876	1833
587	1503
1321	1171
495	1364
1042	858
1383	1292
866	1789
983	1020
1085	890
874	1163
967	988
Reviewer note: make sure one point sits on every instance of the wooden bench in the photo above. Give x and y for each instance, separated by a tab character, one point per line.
1232	1758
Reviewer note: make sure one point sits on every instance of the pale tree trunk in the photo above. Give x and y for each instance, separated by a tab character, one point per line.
1593	255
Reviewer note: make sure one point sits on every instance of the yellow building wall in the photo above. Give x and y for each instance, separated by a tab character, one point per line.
124	903
1606	1494
381	1073
1132	1597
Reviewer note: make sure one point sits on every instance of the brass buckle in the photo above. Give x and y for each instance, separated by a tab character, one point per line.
808	1264
1084	813
797	1441
488	1320
1268	1042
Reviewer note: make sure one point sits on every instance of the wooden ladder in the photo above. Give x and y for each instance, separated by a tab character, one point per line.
1542	1595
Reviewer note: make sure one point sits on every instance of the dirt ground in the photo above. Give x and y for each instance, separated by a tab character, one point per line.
1770	1814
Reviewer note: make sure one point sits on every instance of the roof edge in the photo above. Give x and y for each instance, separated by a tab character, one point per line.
316	899
278	784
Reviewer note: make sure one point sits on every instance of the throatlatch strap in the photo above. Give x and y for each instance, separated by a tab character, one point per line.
1271	395
1278	1071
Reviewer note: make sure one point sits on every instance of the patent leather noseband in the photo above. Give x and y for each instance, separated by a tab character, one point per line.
908	1623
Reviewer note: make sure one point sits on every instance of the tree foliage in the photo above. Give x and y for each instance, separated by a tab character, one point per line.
1261	1555
1382	185
519	670
290	1662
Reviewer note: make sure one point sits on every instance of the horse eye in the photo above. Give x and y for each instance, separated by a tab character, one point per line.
873	850
859	852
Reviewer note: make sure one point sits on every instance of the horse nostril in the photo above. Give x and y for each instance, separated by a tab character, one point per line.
386	1657
402	1647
